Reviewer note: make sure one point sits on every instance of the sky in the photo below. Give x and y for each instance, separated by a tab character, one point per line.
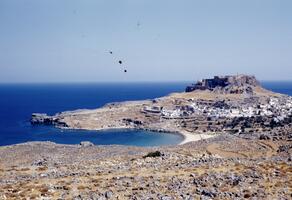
157	40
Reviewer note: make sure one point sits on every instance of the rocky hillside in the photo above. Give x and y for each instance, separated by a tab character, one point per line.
237	84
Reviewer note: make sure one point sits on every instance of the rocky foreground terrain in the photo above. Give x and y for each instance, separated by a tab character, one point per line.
224	167
249	156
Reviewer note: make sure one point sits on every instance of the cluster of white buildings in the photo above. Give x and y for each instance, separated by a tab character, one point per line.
176	113
280	108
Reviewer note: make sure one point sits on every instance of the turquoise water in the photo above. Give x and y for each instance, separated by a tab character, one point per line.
121	137
17	102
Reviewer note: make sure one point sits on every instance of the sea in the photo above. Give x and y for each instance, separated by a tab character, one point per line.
19	101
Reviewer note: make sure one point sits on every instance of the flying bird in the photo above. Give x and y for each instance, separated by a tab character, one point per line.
110	52
120	62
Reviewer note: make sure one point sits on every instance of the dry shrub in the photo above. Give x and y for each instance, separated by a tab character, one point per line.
81	187
7	187
11	196
65	187
247	195
44	191
94	180
42	168
33	196
153	154
24	169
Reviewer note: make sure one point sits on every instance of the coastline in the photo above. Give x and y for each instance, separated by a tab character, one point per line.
187	136
201	113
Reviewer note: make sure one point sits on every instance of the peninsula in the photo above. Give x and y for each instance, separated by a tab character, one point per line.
244	151
228	104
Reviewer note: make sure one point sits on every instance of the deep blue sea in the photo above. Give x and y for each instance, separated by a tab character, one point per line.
18	101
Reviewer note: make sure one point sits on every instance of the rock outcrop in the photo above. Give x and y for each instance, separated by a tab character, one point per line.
237	84
86	144
44	119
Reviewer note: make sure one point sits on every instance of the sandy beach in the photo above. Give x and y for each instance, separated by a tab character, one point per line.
188	137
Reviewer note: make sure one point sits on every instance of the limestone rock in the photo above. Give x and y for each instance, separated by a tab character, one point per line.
86	144
237	84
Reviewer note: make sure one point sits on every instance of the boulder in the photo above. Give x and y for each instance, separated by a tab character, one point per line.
86	144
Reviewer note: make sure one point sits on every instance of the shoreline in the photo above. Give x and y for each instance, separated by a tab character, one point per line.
193	138
187	136
195	115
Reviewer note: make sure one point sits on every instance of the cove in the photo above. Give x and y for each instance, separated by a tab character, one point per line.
105	137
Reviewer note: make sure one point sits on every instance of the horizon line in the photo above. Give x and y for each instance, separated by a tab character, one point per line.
121	82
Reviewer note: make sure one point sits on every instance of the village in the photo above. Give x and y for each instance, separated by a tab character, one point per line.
278	108
246	111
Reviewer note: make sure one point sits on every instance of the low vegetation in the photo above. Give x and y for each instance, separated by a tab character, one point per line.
153	154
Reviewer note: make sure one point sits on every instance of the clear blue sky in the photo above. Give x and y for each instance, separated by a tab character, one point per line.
177	40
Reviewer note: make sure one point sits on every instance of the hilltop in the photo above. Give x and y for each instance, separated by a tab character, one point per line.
238	84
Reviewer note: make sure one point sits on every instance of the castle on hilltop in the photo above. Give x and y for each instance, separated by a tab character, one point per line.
222	82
